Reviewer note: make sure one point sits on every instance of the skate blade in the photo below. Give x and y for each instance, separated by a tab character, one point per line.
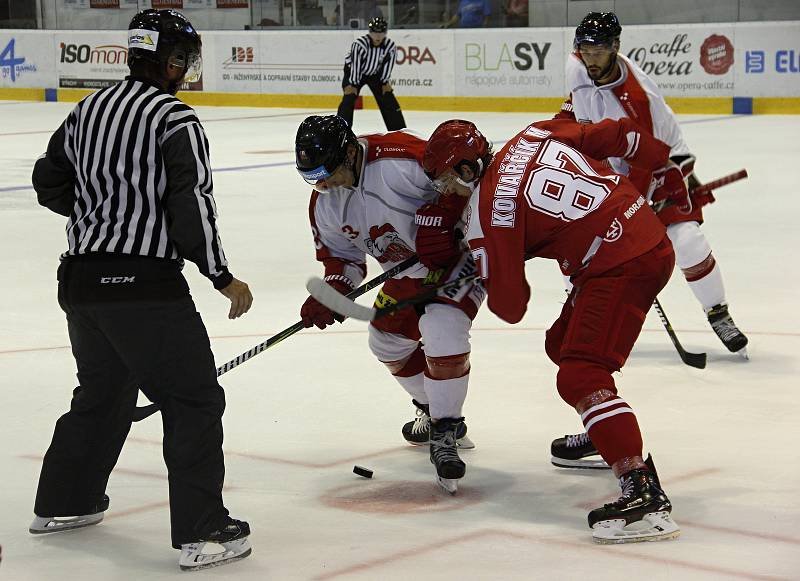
464	443
583	463
449	485
44	525
193	559
655	526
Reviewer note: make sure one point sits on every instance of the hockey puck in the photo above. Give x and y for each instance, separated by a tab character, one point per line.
361	471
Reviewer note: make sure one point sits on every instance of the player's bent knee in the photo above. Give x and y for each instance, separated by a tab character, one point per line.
448	367
444	330
690	244
579	378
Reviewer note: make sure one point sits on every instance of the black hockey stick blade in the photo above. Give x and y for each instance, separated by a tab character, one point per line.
697	360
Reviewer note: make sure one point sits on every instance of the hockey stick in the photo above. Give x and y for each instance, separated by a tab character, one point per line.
718	183
141	413
697	360
705	188
339	303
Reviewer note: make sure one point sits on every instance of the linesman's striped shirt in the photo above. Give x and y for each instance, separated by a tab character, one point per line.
130	167
366	60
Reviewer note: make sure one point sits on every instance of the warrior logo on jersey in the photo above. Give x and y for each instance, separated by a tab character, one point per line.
614	231
385	244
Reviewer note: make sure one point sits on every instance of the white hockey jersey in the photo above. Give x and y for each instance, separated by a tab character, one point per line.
376	216
633	95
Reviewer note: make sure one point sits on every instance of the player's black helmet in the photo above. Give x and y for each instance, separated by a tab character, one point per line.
165	36
378	24
598	28
321	146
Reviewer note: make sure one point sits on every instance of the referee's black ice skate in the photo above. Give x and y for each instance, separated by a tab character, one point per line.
235	542
642	513
723	325
576	451
55	524
444	453
417	432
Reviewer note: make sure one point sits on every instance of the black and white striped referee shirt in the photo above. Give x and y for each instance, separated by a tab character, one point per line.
130	167
366	59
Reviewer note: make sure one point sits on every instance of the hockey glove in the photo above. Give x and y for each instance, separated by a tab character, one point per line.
670	189
437	244
699	199
315	313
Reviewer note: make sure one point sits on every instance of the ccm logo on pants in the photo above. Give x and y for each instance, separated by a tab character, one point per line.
116	279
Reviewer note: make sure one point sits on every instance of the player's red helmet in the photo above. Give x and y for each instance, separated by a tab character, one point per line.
454	143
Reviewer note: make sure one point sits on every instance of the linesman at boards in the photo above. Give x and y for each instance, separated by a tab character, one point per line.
130	169
370	62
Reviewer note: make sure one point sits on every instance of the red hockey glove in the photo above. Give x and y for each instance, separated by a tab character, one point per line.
315	313
670	189
436	241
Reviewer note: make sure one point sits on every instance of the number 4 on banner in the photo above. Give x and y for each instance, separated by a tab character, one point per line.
7	59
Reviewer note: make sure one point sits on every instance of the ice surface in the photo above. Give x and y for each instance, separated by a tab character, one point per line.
300	415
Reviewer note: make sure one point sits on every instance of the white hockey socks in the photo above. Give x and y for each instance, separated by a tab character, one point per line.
709	289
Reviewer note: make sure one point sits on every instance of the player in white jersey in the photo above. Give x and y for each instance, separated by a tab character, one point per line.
366	194
604	84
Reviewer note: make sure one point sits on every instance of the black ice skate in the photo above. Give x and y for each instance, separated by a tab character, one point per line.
55	524
418	432
575	452
726	330
444	453
642	513
235	546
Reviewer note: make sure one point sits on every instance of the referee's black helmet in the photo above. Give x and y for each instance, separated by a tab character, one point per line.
378	24
165	37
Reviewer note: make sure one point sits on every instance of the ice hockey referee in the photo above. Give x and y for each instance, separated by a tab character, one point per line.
370	62
130	169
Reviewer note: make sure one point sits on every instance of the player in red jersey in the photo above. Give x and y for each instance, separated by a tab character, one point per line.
606	85
544	194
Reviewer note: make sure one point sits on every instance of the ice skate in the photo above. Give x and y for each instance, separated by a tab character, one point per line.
235	543
642	513
575	452
417	432
55	524
730	335
444	454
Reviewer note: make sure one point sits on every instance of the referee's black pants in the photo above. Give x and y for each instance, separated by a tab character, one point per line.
387	103
133	325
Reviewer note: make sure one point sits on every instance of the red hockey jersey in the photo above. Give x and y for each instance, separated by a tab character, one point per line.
546	195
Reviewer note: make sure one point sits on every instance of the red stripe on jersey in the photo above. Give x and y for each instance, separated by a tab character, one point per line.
395	145
634	100
700	270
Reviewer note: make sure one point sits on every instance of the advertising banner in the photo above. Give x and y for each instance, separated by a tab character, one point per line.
768	60
26	59
90	60
515	62
280	62
424	65
684	61
94	60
